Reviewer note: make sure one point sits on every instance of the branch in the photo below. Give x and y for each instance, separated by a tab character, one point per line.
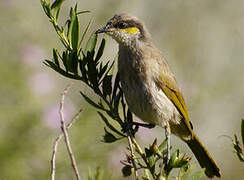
132	157
55	145
143	156
65	133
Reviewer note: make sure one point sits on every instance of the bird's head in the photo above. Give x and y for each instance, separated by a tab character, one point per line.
125	29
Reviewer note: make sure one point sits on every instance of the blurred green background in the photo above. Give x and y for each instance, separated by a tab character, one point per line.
203	41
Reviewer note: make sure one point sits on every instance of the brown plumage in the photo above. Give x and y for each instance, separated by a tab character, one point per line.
150	87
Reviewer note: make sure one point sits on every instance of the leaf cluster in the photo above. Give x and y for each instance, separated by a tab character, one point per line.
153	157
81	61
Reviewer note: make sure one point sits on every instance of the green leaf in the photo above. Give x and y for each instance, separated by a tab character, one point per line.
178	159
92	71
57	3
90	101
76	8
116	86
116	100
91	44
152	162
108	137
102	70
106	69
72	62
56	6
129	116
72	16
83	70
61	71
107	85
46	8
100	50
162	145
238	149
64	59
155	147
75	33
82	12
55	57
148	152
57	10
84	33
111	127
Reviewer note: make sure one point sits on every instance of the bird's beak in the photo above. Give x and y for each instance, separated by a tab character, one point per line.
103	30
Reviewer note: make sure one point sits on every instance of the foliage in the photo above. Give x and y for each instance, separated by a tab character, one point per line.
238	148
82	61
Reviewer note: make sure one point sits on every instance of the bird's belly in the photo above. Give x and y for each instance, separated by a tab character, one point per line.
149	103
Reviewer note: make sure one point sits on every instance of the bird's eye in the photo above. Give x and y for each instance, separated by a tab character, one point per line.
121	25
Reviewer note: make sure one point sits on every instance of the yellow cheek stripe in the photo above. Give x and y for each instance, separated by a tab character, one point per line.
130	30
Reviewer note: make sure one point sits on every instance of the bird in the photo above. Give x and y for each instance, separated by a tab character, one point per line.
150	87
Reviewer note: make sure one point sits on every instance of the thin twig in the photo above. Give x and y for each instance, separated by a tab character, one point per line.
142	154
66	136
133	157
55	145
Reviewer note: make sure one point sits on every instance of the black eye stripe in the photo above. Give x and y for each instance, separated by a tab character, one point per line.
125	24
121	25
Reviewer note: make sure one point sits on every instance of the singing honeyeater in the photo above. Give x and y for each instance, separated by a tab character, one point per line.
150	87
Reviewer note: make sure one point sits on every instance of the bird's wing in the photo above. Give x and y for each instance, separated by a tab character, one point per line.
166	81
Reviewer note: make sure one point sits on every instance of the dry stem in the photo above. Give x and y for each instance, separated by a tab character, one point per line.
64	133
133	157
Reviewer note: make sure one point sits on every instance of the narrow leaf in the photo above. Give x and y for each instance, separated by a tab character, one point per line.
162	145
109	137
83	70
82	12
84	33
129	116
57	3
90	101
65	60
75	33
61	71
111	127
72	62
70	25
57	10
107	85
92	71
116	100
116	85
91	44
46	8
55	56
100	50
102	70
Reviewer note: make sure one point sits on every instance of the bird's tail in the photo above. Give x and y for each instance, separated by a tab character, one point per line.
203	156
